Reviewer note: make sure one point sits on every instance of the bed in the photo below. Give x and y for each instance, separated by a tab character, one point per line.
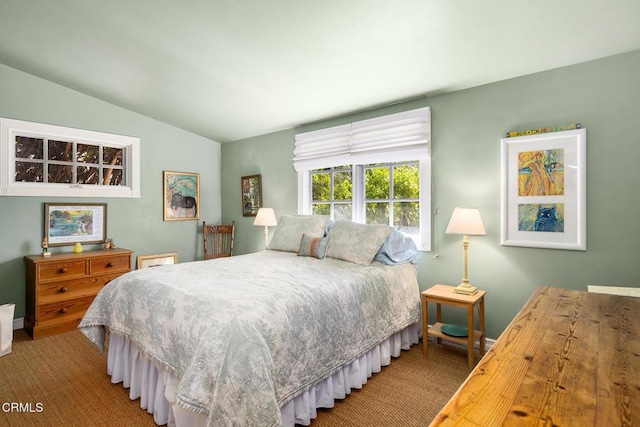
260	339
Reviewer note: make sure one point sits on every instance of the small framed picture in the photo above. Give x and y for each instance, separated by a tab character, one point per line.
251	194
70	223
145	261
181	193
544	187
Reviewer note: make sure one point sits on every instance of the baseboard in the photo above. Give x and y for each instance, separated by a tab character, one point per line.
18	323
489	342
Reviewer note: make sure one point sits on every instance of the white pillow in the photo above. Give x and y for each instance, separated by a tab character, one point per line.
356	243
290	229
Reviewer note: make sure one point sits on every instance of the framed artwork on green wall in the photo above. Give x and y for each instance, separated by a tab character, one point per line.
71	223
181	195
544	179
251	194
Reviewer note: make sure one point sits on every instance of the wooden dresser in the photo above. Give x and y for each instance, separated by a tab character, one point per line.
568	358
61	287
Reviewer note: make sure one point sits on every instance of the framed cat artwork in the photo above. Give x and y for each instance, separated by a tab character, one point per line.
544	180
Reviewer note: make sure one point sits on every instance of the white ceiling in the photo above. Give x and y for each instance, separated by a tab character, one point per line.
232	69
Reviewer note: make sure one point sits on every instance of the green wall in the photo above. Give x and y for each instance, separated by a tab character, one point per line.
602	95
134	224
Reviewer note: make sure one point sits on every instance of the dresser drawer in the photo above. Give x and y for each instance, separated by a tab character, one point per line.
62	270
63	310
109	264
56	291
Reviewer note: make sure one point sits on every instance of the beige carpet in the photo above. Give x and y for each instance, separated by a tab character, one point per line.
62	381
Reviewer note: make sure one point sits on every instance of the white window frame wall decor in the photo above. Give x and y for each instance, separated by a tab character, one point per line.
382	140
10	129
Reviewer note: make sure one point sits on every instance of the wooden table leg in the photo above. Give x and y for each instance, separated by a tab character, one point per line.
483	339
470	335
439	319
425	325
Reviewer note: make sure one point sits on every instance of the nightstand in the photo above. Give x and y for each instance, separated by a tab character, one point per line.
443	294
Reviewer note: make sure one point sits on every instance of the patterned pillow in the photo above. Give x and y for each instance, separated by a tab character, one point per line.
313	246
356	243
286	237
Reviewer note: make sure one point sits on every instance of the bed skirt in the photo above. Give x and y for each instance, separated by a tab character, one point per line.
155	387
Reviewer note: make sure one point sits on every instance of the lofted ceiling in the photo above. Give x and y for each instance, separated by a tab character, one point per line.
232	69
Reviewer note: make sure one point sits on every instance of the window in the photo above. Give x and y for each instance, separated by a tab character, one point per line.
46	160
387	182
332	192
392	196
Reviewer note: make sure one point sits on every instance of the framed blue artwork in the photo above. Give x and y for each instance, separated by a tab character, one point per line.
544	179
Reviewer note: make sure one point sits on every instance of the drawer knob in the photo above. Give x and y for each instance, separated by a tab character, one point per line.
63	270
110	264
63	289
63	310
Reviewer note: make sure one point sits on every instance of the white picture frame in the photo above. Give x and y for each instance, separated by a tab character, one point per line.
145	261
544	180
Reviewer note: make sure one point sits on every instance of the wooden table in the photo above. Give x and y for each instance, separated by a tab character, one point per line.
443	294
569	358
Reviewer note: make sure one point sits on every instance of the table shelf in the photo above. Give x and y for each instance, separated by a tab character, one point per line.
436	331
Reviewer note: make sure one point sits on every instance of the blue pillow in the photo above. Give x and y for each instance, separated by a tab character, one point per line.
397	249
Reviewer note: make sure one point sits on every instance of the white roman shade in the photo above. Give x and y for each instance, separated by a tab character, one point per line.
392	138
322	148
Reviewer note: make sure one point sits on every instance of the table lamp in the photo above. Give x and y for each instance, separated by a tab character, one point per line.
265	217
467	222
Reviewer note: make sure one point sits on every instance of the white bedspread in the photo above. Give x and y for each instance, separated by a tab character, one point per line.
247	334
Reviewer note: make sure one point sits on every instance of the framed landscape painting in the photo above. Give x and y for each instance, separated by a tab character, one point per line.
70	223
544	179
181	194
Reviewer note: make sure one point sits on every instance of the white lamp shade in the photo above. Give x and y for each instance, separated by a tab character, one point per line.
466	221
265	217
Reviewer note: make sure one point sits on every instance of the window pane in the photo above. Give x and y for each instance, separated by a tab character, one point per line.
60	174
321	209
342	211
29	148
406	182
377	213
61	151
88	153
342	186
39	154
321	186
406	217
28	172
112	156
113	177
377	183
87	175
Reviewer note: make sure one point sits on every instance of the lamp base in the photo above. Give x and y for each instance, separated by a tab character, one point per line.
266	236
465	289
